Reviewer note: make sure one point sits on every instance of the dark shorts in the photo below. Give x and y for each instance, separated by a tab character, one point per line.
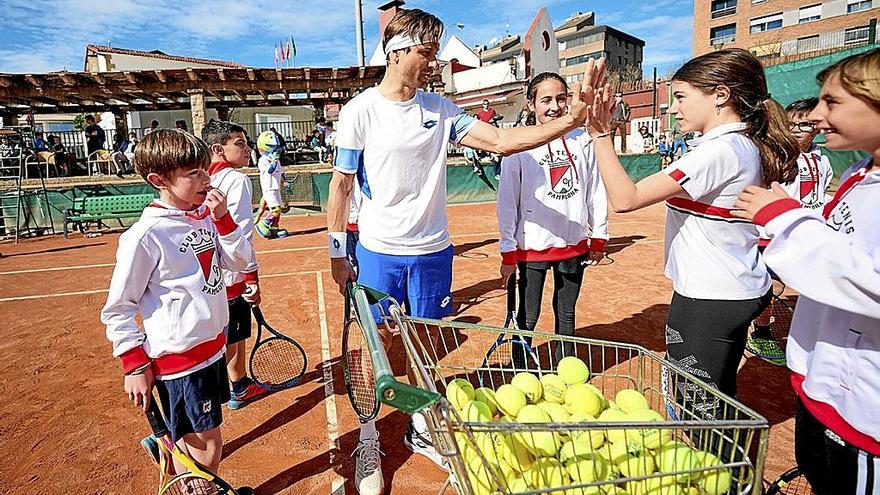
239	328
192	403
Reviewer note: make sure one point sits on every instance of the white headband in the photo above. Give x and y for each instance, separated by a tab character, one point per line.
401	41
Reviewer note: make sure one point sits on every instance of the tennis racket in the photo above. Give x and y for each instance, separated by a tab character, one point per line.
510	350
197	480
791	482
277	361
357	364
768	333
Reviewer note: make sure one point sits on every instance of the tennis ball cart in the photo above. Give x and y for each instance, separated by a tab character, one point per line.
638	425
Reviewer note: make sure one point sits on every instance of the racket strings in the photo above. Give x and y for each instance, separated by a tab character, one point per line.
797	486
361	377
277	361
190	484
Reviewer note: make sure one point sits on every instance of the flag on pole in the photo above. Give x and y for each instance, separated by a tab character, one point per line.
293	47
276	54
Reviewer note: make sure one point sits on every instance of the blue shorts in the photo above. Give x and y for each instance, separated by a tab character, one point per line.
191	403
423	283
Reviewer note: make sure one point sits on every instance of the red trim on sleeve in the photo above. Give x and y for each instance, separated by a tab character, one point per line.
598	244
677	175
828	416
234	290
774	209
225	225
351	227
251	277
133	359
509	258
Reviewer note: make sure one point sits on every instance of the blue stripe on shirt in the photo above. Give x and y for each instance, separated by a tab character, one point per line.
348	160
461	125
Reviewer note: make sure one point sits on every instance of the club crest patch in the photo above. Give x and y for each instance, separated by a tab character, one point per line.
202	243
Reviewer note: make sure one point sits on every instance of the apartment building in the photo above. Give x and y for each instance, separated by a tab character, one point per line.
778	28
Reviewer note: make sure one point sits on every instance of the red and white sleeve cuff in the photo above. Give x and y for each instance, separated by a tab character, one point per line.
509	258
251	278
774	209
225	225
598	244
133	359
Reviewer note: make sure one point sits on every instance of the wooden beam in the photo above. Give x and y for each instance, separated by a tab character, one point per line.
221	74
33	80
160	76
67	78
241	96
215	94
264	95
5	82
193	75
252	76
278	75
130	77
98	78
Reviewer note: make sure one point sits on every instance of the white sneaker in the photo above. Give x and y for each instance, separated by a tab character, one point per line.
368	473
420	443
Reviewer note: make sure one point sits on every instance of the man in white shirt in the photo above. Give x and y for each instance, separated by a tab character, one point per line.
393	137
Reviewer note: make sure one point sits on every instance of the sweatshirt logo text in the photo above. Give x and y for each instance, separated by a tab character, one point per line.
563	177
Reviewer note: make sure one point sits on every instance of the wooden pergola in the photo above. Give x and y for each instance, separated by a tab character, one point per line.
175	89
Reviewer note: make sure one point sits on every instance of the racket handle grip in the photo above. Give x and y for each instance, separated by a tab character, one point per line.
511	293
154	417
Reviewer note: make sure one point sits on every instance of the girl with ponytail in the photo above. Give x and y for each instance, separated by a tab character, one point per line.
720	281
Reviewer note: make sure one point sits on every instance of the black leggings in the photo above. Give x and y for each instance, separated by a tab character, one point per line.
567	278
707	337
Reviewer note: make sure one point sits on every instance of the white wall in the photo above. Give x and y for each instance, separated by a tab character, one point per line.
487	76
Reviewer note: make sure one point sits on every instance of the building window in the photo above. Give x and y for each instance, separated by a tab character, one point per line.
722	8
857	35
758	1
858	5
765	23
581	59
722	34
808	44
809	14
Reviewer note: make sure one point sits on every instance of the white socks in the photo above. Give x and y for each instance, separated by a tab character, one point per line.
368	430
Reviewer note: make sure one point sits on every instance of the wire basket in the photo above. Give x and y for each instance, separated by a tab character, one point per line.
710	443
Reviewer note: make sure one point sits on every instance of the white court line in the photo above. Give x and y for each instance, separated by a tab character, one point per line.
337	484
101	291
268	251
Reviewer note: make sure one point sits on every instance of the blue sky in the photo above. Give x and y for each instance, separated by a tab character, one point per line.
51	35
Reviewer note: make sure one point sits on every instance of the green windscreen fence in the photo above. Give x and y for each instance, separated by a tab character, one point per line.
796	80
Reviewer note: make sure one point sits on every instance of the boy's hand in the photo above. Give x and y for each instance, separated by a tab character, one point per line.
506	272
139	387
216	202
594	257
252	294
753	198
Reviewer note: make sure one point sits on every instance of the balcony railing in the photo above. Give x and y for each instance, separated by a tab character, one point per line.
722	40
723	12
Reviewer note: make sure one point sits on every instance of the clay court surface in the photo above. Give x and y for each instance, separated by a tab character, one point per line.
66	427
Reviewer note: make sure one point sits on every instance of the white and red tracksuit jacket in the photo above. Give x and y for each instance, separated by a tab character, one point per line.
551	202
168	269
238	190
833	261
814	176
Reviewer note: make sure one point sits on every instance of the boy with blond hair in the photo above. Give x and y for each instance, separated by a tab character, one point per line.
169	270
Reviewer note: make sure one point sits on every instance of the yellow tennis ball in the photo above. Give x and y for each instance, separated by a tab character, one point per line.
655	486
554	388
596	437
547	473
716	482
529	385
557	413
573	449
510	400
587	469
458	392
581	399
517	454
487	396
572	370
632	466
682	459
517	485
480	475
630	400
541	443
614	416
475	411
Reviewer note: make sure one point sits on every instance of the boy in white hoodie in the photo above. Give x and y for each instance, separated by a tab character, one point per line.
169	270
